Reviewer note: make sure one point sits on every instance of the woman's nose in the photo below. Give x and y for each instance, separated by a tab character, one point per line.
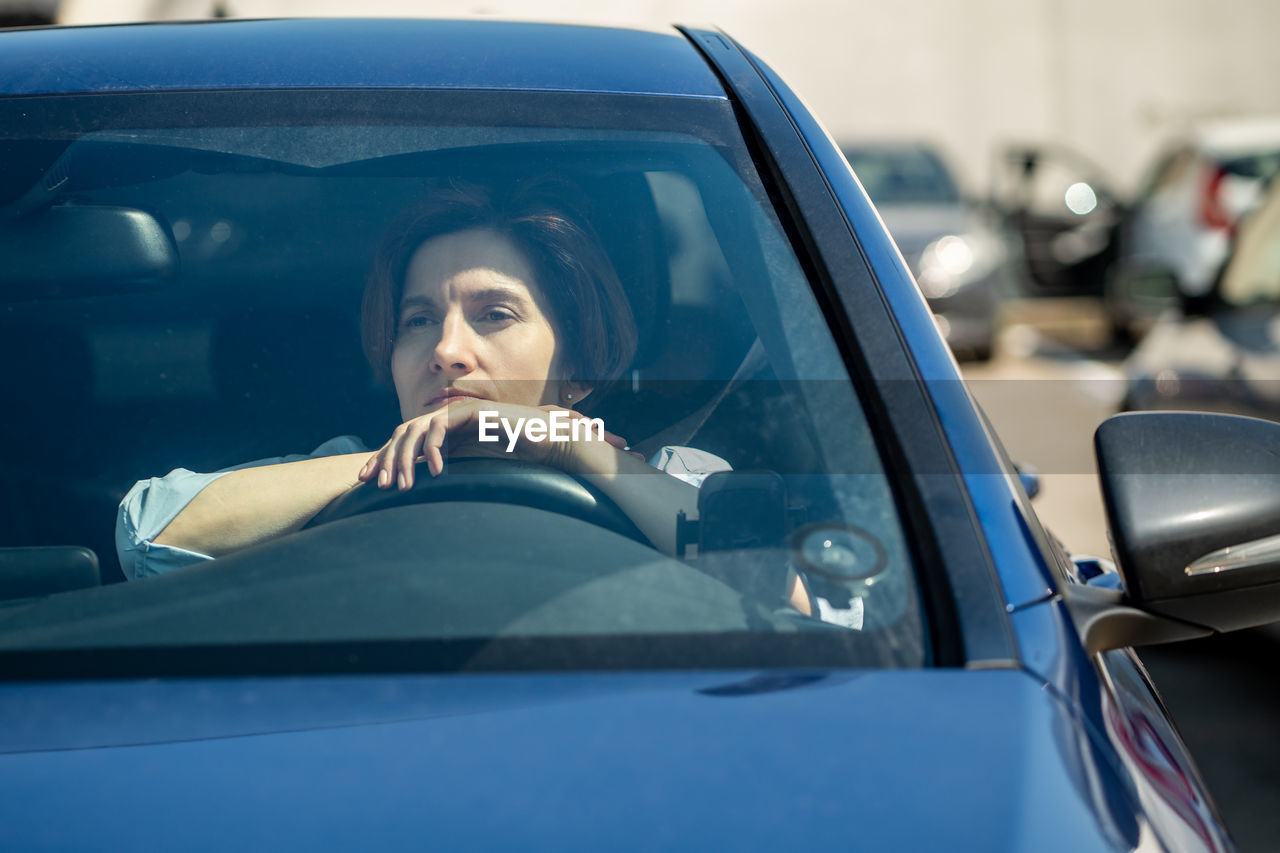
454	352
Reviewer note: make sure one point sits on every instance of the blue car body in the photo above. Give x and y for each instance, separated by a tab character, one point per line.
1028	742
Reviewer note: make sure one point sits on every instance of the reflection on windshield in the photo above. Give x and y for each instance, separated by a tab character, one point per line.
415	383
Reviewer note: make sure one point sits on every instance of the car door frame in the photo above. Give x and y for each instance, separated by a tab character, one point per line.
906	376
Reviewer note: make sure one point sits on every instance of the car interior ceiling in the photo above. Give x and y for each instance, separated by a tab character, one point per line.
254	351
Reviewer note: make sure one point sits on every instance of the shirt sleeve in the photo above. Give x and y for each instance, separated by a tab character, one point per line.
151	504
688	463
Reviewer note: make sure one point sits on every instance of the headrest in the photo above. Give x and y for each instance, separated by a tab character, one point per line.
624	217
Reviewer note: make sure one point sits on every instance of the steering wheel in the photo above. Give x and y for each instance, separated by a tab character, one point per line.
488	480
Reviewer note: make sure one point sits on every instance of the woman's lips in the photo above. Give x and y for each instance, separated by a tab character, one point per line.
446	394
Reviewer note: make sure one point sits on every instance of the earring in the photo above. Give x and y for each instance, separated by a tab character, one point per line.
568	397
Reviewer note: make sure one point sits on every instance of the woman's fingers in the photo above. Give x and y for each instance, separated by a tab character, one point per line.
384	467
408	451
393	463
433	446
424	438
426	441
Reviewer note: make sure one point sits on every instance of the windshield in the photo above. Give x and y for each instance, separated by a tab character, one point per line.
238	323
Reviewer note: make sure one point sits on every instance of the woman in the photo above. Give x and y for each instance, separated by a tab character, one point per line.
479	311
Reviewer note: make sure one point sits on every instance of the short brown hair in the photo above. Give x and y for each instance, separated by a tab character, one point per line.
590	312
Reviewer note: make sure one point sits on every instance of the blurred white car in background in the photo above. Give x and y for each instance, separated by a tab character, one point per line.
1184	219
958	258
1163	249
1226	356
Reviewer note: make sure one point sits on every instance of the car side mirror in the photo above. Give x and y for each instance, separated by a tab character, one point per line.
1193	503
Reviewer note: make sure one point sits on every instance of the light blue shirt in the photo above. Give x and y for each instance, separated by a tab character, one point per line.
152	504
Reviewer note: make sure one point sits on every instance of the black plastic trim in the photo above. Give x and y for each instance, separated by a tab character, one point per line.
746	650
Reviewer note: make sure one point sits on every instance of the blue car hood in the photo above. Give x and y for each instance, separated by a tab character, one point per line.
884	760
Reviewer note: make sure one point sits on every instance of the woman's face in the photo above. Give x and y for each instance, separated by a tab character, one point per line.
473	322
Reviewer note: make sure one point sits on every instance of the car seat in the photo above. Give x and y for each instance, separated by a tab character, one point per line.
54	446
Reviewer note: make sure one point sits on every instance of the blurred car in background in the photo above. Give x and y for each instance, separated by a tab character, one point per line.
1057	206
26	13
958	258
1184	220
1224	356
1162	250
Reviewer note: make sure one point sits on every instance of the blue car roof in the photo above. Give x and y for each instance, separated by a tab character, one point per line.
342	53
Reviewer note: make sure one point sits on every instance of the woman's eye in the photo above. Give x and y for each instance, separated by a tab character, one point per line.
497	316
417	322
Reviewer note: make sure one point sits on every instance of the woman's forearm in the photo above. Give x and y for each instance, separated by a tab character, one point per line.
650	498
253	505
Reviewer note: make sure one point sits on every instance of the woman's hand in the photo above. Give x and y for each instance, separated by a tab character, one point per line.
454	429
